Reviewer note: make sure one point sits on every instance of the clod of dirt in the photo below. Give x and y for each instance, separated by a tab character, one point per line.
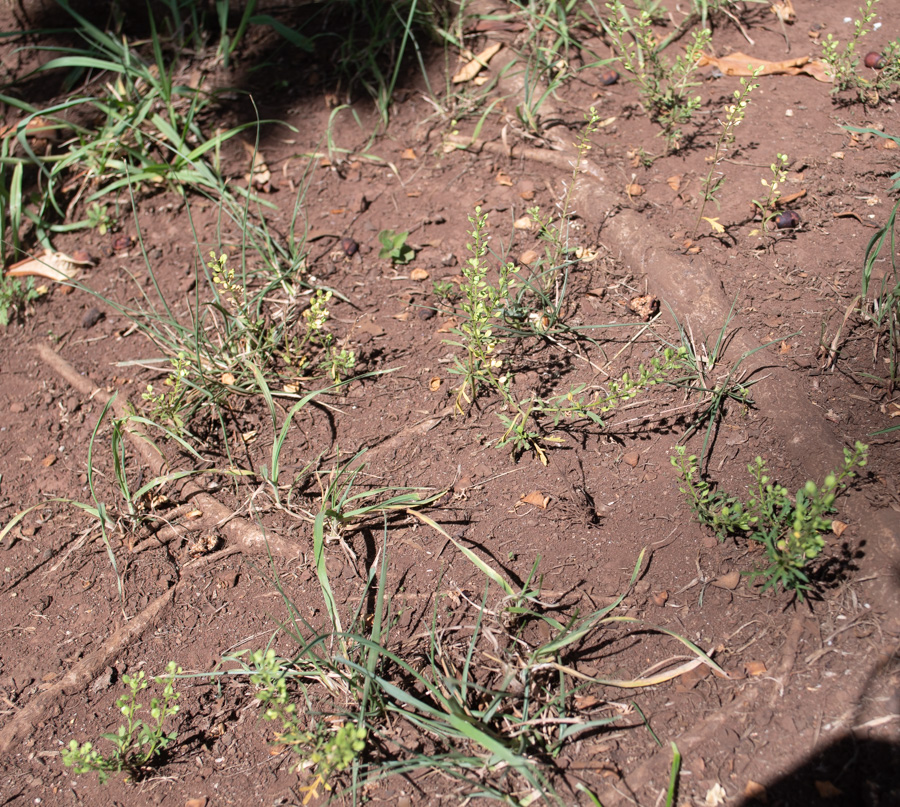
646	306
91	317
632	458
349	246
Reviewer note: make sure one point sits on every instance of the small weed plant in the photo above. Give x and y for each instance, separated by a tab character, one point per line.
715	179
844	62
136	743
789	528
482	306
15	297
664	86
881	306
767	207
326	749
394	247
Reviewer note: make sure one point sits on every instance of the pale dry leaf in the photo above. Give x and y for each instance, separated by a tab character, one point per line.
536	498
504	179
419	274
259	175
435	383
472	68
55	266
523	223
740	64
714	223
838	527
408	154
755	668
674	182
528	257
715	796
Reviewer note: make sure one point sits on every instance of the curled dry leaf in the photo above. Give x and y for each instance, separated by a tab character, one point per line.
259	177
740	64
632	458
472	68
435	383
536	498
755	668
408	154
659	599
755	791
504	179
227	379
827	790
838	527
419	274
52	265
728	581
674	182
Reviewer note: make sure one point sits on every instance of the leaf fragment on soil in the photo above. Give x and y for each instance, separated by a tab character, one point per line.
740	64
472	68
52	265
536	498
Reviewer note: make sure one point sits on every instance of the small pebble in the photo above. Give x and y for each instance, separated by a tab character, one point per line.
91	317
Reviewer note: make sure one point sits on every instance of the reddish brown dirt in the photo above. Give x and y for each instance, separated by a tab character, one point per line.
810	710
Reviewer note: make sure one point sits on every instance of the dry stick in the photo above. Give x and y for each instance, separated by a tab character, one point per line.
86	670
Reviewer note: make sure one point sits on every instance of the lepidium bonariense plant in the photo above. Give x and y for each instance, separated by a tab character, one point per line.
136	743
664	86
482	307
715	179
789	528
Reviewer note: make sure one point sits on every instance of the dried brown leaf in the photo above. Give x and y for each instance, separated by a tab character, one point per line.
472	68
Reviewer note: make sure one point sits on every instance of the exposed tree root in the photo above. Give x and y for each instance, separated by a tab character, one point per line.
248	536
88	668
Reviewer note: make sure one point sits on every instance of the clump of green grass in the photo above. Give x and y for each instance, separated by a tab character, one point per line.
480	700
790	528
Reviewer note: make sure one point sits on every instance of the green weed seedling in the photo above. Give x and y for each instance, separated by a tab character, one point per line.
844	62
664	86
15	297
714	180
394	247
482	308
137	743
790	528
767	207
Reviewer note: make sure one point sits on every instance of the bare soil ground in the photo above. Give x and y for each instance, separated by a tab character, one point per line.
808	711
